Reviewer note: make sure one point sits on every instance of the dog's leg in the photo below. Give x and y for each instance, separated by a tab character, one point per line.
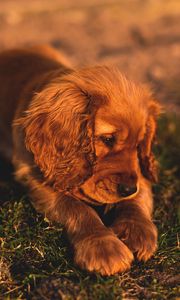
96	247
133	224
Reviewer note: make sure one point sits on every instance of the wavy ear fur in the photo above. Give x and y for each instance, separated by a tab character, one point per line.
55	127
147	161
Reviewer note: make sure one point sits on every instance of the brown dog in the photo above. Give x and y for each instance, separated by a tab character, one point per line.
82	139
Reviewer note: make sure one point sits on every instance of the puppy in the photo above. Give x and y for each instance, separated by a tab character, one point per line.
80	139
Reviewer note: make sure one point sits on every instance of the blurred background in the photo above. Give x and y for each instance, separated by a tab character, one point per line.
141	37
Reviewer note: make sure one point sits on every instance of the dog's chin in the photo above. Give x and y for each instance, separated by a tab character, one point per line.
89	192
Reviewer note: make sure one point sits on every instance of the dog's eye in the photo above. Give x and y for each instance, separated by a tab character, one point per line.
109	141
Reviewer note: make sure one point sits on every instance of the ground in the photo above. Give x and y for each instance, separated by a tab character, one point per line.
142	38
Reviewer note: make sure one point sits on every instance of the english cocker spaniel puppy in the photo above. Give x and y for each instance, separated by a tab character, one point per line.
81	140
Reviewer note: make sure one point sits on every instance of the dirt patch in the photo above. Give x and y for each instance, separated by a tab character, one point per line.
142	38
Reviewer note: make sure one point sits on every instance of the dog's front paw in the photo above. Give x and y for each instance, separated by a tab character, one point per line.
106	255
139	235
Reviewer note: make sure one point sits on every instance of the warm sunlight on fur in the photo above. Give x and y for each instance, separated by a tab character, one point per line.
82	139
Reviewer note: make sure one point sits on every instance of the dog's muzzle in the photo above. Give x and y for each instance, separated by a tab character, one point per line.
125	185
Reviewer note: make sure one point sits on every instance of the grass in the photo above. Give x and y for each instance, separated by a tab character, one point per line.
36	262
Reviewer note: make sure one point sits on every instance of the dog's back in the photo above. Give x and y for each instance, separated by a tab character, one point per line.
18	69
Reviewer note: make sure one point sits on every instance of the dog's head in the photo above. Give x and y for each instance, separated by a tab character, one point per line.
91	134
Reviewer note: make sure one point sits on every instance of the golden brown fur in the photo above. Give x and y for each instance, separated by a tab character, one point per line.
82	139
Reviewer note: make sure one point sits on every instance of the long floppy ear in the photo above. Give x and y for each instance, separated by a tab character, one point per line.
55	128
147	160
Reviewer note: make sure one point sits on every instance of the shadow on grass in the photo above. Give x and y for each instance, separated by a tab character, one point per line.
9	188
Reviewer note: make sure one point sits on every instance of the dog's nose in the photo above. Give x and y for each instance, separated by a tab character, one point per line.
125	190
